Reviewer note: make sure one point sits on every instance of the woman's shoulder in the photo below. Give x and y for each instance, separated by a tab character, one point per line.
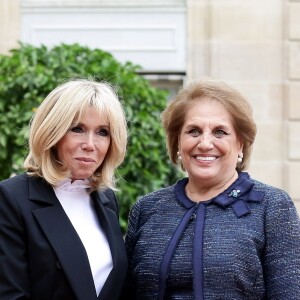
153	200
15	179
272	194
13	190
19	183
160	194
269	189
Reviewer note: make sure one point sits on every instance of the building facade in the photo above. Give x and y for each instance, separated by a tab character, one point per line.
253	45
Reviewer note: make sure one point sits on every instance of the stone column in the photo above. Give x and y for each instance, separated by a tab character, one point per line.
198	38
10	20
292	95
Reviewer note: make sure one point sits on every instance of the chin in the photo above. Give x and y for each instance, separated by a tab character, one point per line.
205	176
81	177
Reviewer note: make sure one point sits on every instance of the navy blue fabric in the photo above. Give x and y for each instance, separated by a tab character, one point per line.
170	251
198	252
243	244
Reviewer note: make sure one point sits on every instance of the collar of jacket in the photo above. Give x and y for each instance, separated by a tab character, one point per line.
236	196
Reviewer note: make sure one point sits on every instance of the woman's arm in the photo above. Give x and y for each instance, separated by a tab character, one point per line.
14	278
282	251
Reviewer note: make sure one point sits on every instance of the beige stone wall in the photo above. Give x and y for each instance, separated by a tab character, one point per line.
9	24
292	98
95	3
254	45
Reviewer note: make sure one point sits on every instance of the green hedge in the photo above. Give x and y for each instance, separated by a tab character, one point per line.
29	73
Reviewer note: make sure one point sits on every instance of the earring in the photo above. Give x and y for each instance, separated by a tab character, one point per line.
178	155
240	158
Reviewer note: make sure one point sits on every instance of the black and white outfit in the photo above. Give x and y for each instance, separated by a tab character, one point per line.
59	244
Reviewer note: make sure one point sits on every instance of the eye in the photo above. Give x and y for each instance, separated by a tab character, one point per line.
103	132
77	129
220	133
194	132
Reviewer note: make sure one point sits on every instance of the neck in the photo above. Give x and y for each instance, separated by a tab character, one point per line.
203	193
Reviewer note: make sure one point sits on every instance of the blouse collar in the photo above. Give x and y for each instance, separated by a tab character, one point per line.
69	186
235	196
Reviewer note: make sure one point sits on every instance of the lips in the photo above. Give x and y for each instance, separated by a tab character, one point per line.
85	159
205	158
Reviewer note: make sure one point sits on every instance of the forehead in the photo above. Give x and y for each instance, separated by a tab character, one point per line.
91	113
208	111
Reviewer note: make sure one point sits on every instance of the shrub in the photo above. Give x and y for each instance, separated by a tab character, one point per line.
29	73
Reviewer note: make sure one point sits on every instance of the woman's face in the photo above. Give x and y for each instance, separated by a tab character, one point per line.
208	143
83	148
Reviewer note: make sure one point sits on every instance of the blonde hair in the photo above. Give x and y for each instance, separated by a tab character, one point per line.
64	106
173	117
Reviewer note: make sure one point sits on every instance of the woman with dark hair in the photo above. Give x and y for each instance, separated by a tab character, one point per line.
218	233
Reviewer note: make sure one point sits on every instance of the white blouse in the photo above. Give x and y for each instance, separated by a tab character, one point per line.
78	206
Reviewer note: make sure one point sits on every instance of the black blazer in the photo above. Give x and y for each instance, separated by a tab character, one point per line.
41	255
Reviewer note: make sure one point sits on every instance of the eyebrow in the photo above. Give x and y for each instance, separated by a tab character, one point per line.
219	125
104	126
82	124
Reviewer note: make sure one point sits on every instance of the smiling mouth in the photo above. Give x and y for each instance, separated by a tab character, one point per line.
205	158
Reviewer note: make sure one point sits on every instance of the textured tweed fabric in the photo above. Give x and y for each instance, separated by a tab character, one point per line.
250	249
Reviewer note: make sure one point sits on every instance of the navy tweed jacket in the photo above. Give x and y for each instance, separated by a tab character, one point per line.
242	244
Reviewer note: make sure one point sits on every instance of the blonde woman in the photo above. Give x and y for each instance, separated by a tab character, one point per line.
59	231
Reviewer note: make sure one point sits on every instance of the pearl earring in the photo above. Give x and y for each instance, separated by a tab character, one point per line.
178	155
240	158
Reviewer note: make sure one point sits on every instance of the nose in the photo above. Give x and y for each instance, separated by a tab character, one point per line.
205	142
88	144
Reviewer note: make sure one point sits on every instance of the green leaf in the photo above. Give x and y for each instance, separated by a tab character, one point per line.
29	73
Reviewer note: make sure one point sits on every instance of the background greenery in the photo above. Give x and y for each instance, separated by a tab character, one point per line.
29	73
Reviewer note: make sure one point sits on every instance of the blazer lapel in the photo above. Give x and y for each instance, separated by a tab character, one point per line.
110	224
63	239
107	219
